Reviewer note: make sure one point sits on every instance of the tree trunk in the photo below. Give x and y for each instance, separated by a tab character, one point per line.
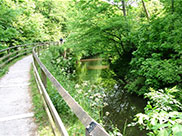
172	5
124	8
146	11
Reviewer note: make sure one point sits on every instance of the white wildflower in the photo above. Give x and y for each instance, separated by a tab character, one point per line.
91	97
116	86
93	104
97	94
107	113
79	91
105	104
96	99
85	84
77	86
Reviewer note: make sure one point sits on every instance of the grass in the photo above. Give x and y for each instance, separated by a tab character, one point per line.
88	95
41	118
6	67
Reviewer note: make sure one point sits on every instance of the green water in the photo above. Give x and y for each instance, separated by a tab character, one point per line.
89	74
122	106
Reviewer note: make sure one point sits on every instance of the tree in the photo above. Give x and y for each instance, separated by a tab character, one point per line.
172	5
31	21
55	14
146	11
7	17
156	62
124	9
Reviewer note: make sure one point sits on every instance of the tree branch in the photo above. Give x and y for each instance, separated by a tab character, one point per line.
146	11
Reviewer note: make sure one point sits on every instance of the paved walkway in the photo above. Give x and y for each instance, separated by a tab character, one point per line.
16	116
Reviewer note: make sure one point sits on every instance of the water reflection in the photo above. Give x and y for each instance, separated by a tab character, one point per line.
90	69
122	107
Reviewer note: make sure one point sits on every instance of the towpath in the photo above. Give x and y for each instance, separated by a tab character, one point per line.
16	116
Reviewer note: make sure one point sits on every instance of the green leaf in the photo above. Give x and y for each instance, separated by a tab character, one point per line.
178	134
177	130
163	133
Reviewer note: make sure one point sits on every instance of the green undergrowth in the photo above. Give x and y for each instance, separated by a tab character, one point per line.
72	124
80	94
89	94
163	116
41	118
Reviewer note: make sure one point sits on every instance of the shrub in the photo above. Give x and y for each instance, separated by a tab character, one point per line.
163	116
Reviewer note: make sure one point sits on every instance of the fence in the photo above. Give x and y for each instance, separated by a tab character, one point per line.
92	128
11	53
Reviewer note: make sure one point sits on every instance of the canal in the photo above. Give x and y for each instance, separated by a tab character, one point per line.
121	106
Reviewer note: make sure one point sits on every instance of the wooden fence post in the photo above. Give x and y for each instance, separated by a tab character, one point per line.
44	78
44	46
36	64
26	50
38	51
8	51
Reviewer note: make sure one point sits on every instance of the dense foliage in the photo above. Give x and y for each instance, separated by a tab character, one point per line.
143	53
140	39
157	59
143	47
162	114
23	21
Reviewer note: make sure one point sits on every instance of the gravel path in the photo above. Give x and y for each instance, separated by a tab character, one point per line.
16	116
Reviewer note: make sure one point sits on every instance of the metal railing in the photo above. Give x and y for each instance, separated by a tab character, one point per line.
92	128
